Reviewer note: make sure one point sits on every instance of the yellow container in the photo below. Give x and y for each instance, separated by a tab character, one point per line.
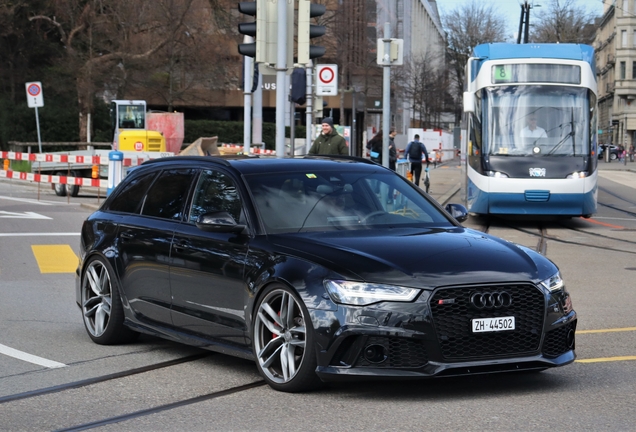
141	141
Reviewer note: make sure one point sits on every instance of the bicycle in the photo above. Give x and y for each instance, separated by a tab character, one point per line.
427	180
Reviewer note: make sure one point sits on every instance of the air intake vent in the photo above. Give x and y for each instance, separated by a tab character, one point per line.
537	195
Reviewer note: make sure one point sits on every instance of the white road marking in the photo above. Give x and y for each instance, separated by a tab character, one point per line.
22	215
21	355
26	200
37	234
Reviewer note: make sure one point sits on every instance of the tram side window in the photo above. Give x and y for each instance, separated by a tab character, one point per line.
476	145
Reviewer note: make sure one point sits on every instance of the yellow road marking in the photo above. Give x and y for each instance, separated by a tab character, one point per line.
55	258
606	359
606	330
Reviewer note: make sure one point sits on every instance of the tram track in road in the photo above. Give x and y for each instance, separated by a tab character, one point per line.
544	237
101	379
114	377
165	407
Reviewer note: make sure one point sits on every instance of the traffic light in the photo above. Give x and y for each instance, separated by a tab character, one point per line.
265	30
308	31
251	28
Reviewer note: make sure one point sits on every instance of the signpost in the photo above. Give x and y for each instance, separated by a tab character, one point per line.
327	80
35	99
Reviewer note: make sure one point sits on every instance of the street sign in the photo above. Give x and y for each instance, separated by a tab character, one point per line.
327	80
35	98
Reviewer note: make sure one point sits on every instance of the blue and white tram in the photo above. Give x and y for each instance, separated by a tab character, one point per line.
532	130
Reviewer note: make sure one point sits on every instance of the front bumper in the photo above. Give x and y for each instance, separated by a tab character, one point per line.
420	339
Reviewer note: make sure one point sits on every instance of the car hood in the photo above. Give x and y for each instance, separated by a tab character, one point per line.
423	258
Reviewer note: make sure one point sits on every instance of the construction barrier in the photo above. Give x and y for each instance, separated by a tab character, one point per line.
44	178
71	159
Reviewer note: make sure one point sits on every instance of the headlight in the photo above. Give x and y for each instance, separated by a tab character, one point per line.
361	293
553	283
578	174
496	174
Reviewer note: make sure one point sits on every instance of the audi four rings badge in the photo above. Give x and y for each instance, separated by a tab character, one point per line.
495	300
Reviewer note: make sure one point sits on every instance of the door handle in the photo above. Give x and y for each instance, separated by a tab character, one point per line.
181	246
126	235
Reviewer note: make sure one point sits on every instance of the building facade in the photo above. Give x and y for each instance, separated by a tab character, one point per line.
615	47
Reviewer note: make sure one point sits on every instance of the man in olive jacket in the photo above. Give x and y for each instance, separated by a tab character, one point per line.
329	142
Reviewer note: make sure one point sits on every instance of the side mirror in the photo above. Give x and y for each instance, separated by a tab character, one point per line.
458	211
219	222
469	102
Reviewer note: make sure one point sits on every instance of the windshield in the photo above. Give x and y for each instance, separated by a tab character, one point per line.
327	201
131	117
537	120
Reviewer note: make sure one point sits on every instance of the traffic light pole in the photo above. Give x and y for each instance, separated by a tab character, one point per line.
281	69
248	69
309	113
386	94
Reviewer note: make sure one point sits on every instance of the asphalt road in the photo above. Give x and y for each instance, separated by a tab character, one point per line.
43	345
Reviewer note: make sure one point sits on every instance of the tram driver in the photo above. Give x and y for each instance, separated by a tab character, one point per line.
532	130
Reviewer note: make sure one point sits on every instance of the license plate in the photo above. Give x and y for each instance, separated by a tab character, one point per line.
493	324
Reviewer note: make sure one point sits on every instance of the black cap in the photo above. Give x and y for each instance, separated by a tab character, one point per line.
328	120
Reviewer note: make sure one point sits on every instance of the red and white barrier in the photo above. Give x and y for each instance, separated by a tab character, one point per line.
44	178
63	158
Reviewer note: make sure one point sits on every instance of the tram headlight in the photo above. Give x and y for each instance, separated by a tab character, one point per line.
578	174
496	174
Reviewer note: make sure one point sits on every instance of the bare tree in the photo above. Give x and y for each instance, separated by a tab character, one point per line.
563	21
427	86
100	39
466	27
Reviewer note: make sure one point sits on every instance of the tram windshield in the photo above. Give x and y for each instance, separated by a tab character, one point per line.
537	120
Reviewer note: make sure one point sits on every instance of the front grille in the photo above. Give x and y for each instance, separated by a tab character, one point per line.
154	145
556	341
452	314
400	353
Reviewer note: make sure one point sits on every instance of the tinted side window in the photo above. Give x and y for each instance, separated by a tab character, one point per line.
168	194
131	196
215	191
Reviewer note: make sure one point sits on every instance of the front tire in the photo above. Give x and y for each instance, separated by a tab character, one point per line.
60	189
283	341
101	305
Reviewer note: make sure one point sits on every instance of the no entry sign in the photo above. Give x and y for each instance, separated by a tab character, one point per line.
35	99
327	80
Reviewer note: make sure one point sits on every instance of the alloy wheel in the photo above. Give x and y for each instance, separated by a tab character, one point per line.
96	298
280	336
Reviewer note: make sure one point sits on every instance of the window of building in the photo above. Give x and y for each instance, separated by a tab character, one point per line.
625	7
624	38
634	70
622	70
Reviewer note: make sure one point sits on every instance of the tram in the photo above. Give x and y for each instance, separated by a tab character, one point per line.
531	130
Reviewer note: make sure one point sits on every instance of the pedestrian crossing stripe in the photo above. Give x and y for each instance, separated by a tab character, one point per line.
55	258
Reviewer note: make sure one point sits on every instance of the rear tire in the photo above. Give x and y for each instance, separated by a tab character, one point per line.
74	189
283	341
101	305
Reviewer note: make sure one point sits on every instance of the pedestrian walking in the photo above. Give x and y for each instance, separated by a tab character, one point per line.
631	153
414	151
392	150
375	147
329	142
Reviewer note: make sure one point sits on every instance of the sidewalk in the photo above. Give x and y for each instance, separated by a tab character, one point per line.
445	181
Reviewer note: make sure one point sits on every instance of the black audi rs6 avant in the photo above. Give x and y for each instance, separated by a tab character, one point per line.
318	269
